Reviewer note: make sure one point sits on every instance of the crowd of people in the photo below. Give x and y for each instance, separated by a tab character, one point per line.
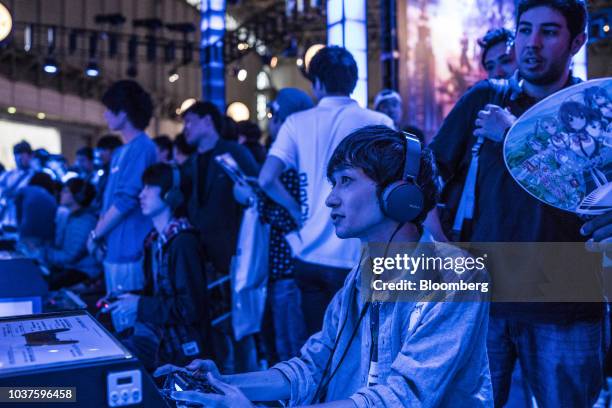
156	221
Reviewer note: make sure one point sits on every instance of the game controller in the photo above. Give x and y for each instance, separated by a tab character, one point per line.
187	381
104	303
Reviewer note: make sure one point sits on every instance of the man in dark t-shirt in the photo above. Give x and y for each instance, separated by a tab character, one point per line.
212	209
545	337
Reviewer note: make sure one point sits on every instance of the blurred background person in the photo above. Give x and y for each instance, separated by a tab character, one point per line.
12	180
84	164
36	206
389	102
105	148
284	299
67	258
498	58
121	227
181	149
249	135
163	144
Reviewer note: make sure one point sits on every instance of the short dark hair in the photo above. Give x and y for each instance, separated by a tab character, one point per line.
203	108
44	180
336	68
493	37
249	130
86	152
381	153
230	128
574	11
109	142
22	147
163	142
180	142
160	175
128	96
82	191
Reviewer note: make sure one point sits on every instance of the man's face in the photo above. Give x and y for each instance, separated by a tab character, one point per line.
115	121
500	62
544	47
84	164
151	202
392	108
102	157
196	128
23	160
355	210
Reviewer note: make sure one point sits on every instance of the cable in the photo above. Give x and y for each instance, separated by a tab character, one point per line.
322	390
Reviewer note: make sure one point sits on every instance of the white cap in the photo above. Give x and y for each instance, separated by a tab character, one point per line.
385	95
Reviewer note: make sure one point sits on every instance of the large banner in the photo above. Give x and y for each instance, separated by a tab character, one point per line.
439	53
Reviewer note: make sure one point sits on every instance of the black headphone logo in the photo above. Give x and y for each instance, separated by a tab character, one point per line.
402	200
174	196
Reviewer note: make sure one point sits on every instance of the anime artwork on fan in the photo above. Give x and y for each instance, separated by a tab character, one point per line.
560	151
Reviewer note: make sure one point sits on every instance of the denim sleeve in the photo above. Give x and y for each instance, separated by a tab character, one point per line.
140	156
304	372
436	350
450	143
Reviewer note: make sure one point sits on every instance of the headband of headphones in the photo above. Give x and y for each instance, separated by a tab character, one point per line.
413	150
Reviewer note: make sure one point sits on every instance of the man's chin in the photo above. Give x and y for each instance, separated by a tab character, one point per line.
540	77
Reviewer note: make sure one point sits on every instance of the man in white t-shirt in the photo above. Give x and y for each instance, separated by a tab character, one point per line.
305	142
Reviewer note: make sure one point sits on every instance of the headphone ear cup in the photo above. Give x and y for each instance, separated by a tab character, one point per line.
402	201
174	198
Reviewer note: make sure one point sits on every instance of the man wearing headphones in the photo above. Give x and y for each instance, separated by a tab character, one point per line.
171	314
373	353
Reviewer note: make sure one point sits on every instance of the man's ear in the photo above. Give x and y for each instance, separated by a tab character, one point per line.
577	43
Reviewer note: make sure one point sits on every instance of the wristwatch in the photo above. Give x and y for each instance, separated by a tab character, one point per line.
94	237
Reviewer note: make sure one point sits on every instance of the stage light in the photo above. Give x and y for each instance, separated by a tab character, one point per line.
92	69
238	111
243	46
606	28
173	76
242	75
273	62
299	62
50	66
12	110
6	22
186	104
310	52
41	115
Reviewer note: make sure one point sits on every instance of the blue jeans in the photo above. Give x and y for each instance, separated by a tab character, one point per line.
289	326
562	363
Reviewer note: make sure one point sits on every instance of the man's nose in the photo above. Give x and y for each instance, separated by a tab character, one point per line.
534	40
332	200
